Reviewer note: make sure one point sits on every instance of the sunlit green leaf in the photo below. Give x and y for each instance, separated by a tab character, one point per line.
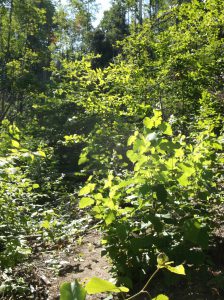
83	159
85	202
183	180
46	224
88	188
148	123
178	269
41	153
161	297
97	285
132	156
168	130
35	186
15	144
162	258
131	139
110	218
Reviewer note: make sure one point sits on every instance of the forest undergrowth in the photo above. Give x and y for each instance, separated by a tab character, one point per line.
111	150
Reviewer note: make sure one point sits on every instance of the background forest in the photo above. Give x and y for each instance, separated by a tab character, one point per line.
116	127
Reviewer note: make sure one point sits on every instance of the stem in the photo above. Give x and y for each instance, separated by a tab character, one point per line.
147	293
122	295
138	294
143	291
151	277
134	296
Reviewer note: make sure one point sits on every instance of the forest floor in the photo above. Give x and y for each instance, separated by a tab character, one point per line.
49	267
79	257
82	263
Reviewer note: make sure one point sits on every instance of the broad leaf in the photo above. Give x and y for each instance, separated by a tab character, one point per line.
168	129
72	291
36	186
41	153
178	269
87	189
161	192
132	156
45	224
83	159
161	297
15	144
97	285
162	259
85	202
194	232
110	218
148	123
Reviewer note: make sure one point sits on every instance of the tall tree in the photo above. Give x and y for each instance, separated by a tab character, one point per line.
26	32
112	28
74	22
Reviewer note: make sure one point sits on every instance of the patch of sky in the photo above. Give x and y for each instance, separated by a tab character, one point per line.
102	6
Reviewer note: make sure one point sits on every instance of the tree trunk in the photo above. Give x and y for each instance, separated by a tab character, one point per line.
140	11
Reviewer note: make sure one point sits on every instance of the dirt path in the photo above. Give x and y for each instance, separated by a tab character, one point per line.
80	263
48	267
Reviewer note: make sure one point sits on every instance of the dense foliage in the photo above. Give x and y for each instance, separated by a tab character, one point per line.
163	205
133	107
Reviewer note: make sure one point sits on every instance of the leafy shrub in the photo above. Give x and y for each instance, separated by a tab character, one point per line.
162	205
75	291
17	195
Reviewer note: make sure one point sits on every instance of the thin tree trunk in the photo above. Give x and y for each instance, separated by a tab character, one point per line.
10	31
140	11
156	7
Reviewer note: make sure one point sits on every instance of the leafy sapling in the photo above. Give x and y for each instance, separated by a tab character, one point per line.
75	291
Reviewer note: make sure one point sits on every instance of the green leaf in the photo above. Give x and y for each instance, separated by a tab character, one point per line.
15	144
161	193
195	233
139	145
145	188
148	123
110	218
97	285
161	297
157	118
178	269
145	242
162	259
87	189
41	153
132	156
132	139
45	224
191	230
183	180
168	130
188	170
83	159
72	291
36	186
179	152
85	202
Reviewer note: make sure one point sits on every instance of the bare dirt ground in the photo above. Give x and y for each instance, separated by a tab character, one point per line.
51	265
49	268
80	263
